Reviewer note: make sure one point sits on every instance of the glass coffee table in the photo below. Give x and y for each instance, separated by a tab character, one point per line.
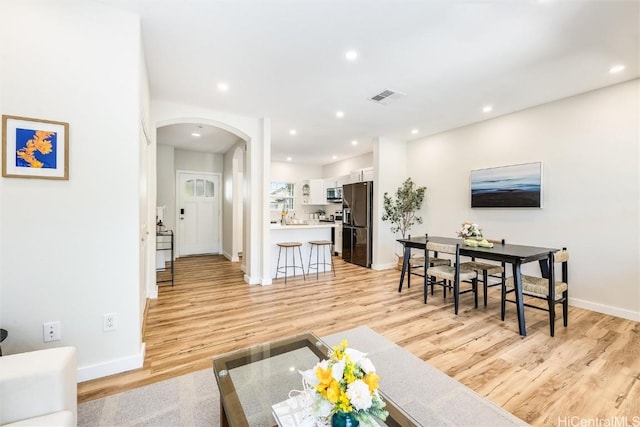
251	380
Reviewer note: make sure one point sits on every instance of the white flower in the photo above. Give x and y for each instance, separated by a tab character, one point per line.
367	365
323	407
359	395
337	370
310	376
355	355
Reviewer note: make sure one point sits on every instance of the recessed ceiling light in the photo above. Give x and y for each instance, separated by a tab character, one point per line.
223	87
289	159
195	134
354	142
293	132
339	114
414	131
487	109
351	55
334	157
616	68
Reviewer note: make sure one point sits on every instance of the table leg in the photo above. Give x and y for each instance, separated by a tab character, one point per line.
224	422
405	265
517	280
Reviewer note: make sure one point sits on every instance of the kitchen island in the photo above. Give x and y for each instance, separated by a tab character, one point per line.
302	233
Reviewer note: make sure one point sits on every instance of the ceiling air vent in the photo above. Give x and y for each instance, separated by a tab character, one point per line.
386	97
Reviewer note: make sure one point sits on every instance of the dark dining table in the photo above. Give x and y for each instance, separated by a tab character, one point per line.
516	255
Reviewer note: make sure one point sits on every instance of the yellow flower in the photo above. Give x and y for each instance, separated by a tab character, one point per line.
333	392
345	405
371	380
324	375
338	351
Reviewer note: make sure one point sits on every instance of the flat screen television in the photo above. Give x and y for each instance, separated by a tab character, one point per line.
514	186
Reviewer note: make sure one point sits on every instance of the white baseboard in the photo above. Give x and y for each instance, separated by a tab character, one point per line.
605	309
231	258
384	266
111	367
251	280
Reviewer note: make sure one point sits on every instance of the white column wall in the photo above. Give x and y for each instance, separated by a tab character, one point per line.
70	250
589	146
390	158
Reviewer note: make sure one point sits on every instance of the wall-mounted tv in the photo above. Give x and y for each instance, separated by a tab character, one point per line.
515	186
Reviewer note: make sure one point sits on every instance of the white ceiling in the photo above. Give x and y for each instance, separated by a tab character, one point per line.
285	60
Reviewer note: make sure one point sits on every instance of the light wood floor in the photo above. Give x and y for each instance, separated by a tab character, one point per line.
590	370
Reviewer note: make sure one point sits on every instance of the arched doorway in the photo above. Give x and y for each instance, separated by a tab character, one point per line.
202	146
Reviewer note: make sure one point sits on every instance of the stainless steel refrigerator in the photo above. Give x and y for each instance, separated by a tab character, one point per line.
357	234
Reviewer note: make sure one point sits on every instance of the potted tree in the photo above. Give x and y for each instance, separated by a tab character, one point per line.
401	210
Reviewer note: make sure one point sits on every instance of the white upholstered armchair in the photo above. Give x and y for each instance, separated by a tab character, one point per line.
39	388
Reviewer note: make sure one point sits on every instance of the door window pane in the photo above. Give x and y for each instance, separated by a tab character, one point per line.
209	189
199	187
188	188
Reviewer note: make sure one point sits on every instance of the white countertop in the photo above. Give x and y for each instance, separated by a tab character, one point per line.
302	226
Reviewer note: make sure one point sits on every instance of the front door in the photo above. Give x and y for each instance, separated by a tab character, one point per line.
198	213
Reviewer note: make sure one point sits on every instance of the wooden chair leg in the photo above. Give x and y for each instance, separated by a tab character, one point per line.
565	308
503	301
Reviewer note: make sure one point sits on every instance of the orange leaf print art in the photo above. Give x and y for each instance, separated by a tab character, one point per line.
40	143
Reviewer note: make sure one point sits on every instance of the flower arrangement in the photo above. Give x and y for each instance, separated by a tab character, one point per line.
347	383
469	229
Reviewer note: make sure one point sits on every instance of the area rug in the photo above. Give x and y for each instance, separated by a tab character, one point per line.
431	397
188	400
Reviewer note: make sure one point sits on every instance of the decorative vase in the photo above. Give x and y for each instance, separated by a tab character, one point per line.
344	419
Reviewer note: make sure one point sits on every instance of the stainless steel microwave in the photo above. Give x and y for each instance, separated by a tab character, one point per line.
334	195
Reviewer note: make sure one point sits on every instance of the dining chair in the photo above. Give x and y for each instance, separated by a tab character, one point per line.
444	275
416	264
488	270
545	288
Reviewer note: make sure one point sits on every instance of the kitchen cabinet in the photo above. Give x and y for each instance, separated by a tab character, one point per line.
360	175
329	183
367	174
313	192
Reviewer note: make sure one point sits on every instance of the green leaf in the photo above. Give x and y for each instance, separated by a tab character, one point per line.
401	210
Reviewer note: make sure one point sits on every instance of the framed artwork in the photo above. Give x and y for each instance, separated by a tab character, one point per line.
34	148
515	186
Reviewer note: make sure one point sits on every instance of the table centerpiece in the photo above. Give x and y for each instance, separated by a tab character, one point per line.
470	230
345	388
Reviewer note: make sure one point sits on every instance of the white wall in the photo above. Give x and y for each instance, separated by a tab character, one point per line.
70	249
198	162
390	158
232	205
344	167
589	146
166	183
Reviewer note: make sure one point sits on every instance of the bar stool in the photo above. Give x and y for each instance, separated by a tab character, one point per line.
316	265
286	246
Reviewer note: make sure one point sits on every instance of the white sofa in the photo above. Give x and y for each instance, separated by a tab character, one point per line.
39	388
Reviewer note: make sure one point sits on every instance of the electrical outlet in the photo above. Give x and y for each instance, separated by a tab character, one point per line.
109	322
51	331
